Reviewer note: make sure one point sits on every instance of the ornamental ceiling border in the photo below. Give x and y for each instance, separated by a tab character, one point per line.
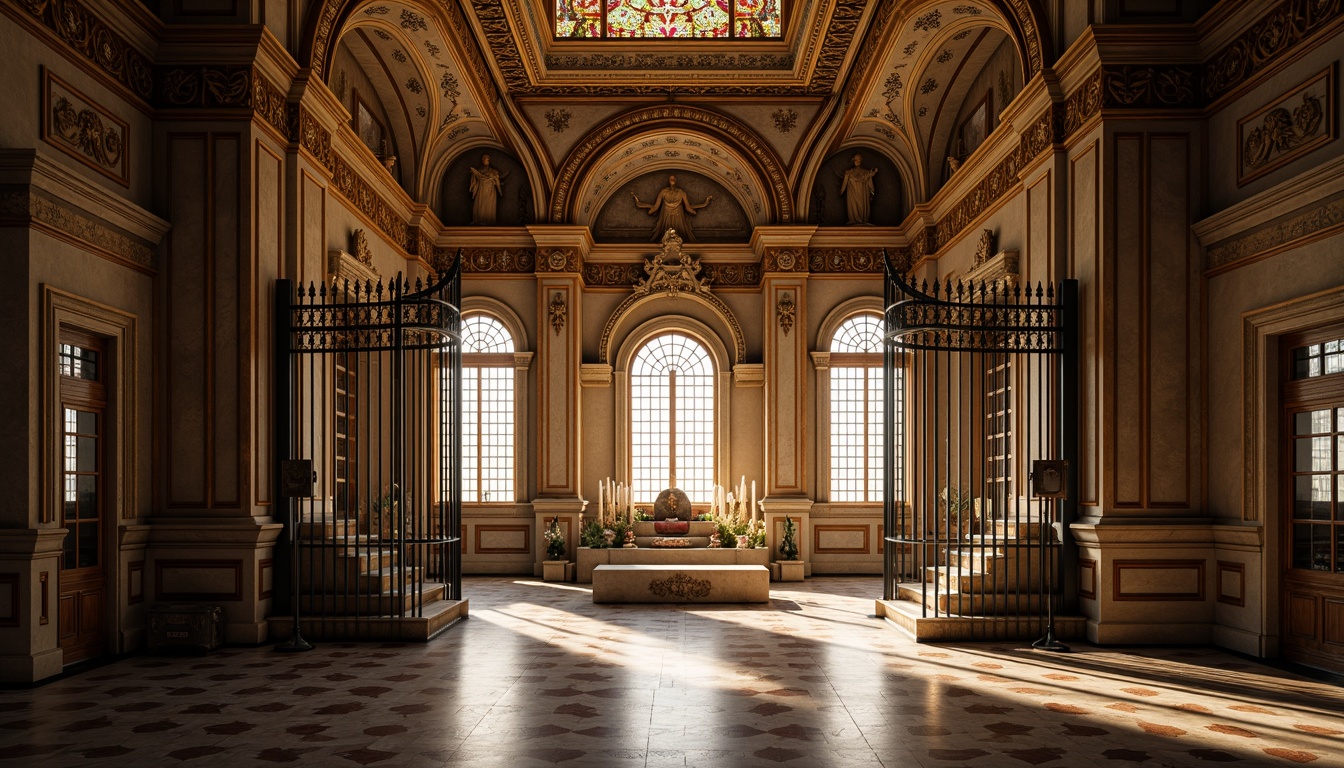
767	163
825	71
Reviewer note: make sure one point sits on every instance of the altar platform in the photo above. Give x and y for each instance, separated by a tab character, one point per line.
681	584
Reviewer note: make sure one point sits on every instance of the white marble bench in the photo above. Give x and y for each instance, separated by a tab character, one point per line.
667	583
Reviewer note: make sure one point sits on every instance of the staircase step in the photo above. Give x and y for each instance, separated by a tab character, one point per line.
435	616
922	626
950	602
369	604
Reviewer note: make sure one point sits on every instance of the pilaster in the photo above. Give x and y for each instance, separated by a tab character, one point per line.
783	251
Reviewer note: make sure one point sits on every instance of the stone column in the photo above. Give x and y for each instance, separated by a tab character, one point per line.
788	463
560	254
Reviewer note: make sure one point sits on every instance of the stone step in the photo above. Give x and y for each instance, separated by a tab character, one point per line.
912	619
1014	568
346	560
942	600
369	604
434	618
372	582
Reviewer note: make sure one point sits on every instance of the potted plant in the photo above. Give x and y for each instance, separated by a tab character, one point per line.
961	510
556	564
789	566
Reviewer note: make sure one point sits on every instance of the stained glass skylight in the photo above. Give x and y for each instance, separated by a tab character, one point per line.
667	18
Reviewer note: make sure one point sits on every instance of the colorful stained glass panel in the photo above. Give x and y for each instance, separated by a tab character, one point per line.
667	18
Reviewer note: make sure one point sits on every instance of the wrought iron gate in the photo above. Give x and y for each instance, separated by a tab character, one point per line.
368	387
981	381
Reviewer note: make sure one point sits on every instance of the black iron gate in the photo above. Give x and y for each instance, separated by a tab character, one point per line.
981	384
368	389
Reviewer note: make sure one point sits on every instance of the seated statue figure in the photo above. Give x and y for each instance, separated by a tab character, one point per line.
672	504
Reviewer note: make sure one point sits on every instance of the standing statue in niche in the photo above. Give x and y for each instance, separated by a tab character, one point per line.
487	184
856	184
674	209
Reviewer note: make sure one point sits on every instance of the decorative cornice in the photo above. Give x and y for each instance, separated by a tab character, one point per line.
20	206
1287	24
83	31
609	275
1084	103
307	130
499	261
767	163
269	102
733	275
1323	220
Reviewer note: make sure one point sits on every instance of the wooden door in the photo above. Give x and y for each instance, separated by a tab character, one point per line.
1313	583
84	503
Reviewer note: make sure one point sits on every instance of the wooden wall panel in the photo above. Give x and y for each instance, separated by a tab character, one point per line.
1084	213
1126	422
228	325
198	580
1167	333
1231	583
269	229
1158	580
185	367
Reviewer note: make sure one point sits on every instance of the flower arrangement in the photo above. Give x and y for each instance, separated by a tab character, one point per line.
555	541
788	546
598	536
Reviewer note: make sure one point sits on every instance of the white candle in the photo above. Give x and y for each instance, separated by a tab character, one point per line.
753	501
600	495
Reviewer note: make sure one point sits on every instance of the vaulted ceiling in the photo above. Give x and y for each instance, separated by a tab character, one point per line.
897	77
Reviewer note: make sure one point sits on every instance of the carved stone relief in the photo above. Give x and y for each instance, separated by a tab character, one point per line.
1287	128
84	130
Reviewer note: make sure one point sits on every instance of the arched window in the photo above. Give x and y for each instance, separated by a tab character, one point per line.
672	419
856	410
487	411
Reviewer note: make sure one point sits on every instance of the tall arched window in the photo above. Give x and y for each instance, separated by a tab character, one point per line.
487	411
856	410
672	419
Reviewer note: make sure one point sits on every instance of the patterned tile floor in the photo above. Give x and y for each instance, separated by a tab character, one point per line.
540	676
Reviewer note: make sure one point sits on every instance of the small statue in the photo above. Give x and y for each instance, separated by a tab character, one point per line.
714	542
389	159
487	184
674	209
856	184
630	539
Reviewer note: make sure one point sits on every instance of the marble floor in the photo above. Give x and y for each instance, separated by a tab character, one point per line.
539	676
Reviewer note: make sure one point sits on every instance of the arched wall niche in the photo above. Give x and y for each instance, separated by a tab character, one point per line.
887	206
514	206
663	311
687	138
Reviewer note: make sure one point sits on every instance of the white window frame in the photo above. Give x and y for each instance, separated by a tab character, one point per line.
521	362
822	361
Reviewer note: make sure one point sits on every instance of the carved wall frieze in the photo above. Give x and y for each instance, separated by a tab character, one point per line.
734	275
874	40
80	29
987	191
767	163
1161	85
1286	128
558	260
269	102
208	86
307	130
608	275
354	188
1274	237
1084	103
24	207
1284	26
499	260
785	260
84	130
